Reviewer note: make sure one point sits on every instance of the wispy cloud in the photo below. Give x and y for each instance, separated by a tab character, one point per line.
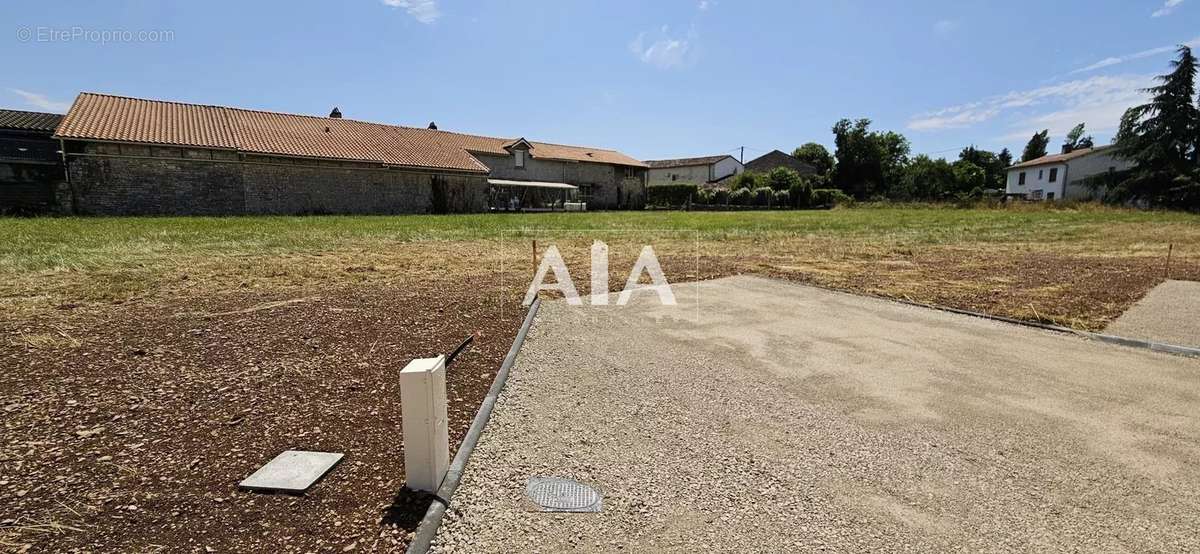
1167	7
706	4
945	27
1099	101
40	101
1114	60
663	50
425	11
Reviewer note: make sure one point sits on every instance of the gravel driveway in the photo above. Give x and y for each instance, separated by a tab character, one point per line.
777	417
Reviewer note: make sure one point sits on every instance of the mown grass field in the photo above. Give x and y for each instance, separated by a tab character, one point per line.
959	257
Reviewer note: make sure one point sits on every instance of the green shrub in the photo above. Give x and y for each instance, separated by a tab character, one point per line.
704	196
801	194
741	197
673	194
720	196
782	199
748	181
828	198
762	195
782	178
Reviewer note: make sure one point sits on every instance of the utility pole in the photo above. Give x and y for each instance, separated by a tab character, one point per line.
742	156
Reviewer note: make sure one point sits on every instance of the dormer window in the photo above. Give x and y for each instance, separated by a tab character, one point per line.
519	158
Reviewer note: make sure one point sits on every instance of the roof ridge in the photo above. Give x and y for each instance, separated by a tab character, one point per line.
30	111
250	110
574	146
272	112
690	158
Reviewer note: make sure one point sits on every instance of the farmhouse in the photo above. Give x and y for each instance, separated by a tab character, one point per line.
136	156
30	165
707	169
1061	176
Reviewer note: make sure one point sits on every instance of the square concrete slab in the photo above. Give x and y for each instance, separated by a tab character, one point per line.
1169	313
292	472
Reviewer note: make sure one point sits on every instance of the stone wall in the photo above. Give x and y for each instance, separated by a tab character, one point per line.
30	188
110	179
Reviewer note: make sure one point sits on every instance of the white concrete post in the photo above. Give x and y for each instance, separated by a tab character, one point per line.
423	409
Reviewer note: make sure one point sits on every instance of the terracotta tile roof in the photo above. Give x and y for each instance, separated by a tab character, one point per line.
123	119
686	162
1060	158
29	121
544	150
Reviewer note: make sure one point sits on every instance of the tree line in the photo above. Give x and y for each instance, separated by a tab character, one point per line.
1161	138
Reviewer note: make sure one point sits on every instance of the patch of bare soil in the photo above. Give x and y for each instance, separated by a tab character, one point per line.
1073	290
127	429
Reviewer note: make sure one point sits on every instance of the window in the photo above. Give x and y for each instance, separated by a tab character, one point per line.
1053	174
520	157
1021	178
1040	174
1050	195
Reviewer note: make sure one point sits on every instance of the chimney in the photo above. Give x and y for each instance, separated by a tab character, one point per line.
433	125
336	113
1067	148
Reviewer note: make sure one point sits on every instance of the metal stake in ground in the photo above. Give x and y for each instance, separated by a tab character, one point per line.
1170	247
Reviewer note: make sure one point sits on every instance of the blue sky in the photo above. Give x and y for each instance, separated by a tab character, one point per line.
654	79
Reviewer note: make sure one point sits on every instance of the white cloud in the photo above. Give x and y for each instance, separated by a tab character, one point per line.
706	4
1114	60
425	11
1167	7
1099	101
40	101
665	52
945	27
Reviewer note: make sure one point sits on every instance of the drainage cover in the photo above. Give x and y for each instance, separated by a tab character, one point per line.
555	494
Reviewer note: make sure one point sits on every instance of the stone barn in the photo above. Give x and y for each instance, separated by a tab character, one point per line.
129	156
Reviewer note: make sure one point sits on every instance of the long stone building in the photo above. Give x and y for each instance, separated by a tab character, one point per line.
127	156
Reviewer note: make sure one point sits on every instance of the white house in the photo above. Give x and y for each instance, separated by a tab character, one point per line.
1057	176
692	170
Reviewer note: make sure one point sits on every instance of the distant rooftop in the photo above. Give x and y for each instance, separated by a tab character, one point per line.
29	121
686	162
1059	158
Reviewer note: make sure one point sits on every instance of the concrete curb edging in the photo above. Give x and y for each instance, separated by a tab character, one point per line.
1111	339
428	528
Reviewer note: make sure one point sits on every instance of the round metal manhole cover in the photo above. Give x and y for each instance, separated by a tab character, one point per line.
555	494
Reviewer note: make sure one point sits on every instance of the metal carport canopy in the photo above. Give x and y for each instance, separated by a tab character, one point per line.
534	184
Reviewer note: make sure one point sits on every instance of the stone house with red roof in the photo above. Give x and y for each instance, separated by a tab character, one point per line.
130	156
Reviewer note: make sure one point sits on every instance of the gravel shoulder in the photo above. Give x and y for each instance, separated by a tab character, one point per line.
777	417
1169	313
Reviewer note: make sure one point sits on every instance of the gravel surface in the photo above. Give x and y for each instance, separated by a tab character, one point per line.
1170	313
777	417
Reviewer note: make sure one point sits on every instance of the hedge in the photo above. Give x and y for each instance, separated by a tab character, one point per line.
828	198
674	194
